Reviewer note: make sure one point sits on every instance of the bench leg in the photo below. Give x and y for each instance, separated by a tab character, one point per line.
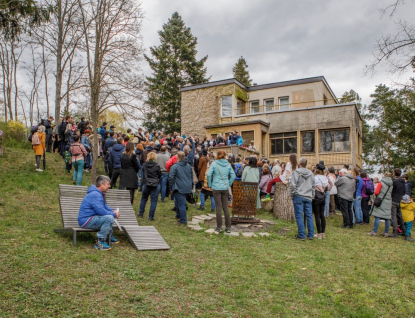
74	238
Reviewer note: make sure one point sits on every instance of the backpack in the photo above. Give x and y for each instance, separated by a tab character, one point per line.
34	129
370	188
238	172
35	140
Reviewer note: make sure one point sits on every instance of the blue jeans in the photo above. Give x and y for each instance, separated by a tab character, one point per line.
154	194
326	204
202	201
78	167
357	205
181	206
163	184
303	206
139	173
375	228
103	223
88	164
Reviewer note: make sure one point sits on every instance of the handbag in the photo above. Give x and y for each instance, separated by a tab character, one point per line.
319	196
378	201
150	182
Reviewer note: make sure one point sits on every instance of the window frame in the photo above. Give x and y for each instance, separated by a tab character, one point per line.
301	139
334	140
279	102
221	106
283	137
266	106
250	106
239	110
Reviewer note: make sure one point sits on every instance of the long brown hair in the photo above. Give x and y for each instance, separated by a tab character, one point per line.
293	160
129	148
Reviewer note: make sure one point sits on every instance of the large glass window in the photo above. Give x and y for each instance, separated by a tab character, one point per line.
335	140
308	141
227	106
269	104
284	143
254	106
284	103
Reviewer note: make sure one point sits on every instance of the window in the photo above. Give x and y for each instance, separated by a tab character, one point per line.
247	136
269	104
335	140
254	106
284	103
240	107
284	143
308	141
227	106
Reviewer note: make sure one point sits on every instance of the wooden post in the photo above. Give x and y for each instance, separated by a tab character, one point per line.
283	203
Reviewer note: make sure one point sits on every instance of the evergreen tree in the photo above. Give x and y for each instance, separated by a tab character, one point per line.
240	72
174	65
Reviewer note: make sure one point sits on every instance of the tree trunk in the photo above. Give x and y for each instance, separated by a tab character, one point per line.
283	203
58	91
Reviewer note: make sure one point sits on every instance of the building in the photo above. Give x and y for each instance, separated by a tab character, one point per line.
299	116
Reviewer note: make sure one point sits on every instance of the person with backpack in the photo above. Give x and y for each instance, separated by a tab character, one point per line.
49	131
238	169
78	161
114	160
367	191
38	143
151	185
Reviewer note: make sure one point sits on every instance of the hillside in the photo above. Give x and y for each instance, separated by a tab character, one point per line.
43	274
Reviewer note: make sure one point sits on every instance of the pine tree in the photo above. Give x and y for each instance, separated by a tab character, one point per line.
240	72
174	65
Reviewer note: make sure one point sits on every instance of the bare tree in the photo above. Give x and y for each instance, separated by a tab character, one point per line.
111	43
397	50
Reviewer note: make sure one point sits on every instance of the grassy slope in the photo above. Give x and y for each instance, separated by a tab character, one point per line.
348	274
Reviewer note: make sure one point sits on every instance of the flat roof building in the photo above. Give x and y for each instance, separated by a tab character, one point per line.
300	116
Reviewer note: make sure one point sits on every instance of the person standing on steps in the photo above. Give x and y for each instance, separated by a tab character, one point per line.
151	185
129	170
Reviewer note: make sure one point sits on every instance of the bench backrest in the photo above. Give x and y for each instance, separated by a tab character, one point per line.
70	199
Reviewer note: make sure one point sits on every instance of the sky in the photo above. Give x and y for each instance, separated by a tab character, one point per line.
286	40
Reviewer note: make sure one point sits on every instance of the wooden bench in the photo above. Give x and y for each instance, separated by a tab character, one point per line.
141	237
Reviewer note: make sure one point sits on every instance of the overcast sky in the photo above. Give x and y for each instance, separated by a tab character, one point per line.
285	40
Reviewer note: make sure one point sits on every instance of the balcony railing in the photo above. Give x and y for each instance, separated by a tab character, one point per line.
269	108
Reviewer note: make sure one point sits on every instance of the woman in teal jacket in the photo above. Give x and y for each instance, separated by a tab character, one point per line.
251	174
220	177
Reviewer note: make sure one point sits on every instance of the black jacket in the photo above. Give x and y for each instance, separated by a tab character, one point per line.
151	169
81	127
398	190
129	169
408	188
62	129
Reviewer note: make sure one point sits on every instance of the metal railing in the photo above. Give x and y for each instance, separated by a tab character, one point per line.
269	108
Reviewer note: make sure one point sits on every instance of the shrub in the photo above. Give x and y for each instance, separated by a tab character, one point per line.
15	134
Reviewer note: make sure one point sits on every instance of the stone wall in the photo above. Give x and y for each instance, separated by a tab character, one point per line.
202	107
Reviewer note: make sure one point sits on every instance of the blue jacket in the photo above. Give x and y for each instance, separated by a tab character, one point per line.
115	155
181	177
239	141
102	132
93	204
223	179
359	186
85	142
109	143
234	139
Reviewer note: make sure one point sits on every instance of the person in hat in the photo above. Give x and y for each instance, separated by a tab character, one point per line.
103	130
319	200
112	128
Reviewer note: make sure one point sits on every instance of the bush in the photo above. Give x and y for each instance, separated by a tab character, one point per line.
15	135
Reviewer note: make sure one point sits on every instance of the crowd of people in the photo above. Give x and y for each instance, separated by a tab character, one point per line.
183	167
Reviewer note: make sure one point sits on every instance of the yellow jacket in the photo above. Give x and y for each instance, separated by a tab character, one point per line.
408	211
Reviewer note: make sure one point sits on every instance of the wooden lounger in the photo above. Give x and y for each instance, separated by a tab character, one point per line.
142	237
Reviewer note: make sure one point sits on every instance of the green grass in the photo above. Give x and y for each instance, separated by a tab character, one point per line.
42	274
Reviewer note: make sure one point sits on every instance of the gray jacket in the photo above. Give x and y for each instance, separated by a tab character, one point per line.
384	210
303	183
161	159
346	187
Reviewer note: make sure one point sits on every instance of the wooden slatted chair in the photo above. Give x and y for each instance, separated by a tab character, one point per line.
142	237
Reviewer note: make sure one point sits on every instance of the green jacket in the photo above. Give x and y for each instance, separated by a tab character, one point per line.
220	175
384	210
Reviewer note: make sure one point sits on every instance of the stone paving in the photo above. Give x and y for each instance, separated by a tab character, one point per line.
194	224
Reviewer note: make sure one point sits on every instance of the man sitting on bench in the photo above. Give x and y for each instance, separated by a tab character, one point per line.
94	213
